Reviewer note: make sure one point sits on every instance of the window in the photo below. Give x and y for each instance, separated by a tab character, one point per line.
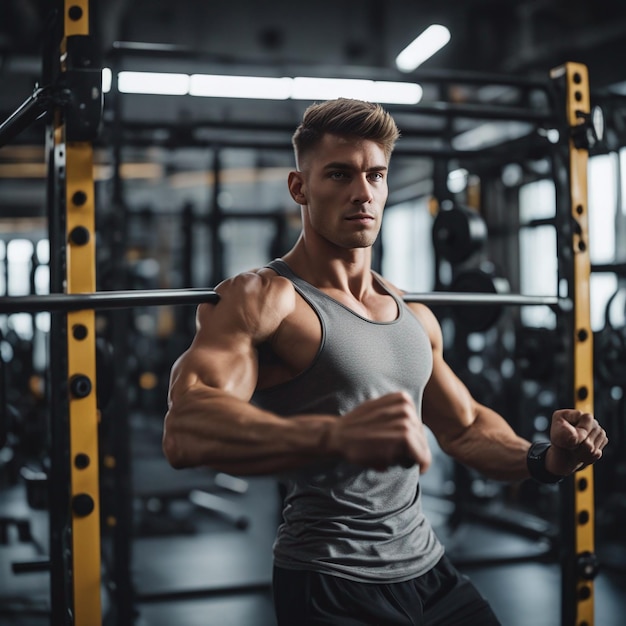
538	249
408	256
602	189
538	252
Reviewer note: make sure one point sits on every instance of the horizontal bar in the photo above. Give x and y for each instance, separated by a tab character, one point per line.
610	268
224	590
472	299
141	128
422	75
472	110
28	567
105	300
157	297
483	111
231	214
245	144
127	49
220	506
28	112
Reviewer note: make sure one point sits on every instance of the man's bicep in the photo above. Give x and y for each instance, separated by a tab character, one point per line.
221	356
448	407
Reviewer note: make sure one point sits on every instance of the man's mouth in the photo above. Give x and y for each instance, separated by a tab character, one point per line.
360	217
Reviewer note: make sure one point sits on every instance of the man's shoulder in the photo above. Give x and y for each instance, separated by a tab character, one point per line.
257	300
257	284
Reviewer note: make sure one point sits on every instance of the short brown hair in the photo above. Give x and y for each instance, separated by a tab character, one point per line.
347	118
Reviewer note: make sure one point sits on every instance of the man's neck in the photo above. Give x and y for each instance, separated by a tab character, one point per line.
331	268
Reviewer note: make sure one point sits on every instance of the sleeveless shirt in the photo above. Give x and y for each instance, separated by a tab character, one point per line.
340	518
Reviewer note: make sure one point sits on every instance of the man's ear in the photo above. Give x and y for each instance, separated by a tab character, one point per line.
295	183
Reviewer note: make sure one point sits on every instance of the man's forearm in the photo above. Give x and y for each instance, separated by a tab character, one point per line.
490	446
206	427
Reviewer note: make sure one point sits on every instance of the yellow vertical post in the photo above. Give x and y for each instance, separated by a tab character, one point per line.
83	414
578	596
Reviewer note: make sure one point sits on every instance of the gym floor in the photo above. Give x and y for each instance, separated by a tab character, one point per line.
207	561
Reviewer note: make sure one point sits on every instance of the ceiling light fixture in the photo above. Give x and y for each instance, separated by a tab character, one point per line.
156	83
219	86
306	88
264	87
423	47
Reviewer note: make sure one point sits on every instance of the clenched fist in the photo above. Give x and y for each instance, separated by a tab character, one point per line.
577	440
382	432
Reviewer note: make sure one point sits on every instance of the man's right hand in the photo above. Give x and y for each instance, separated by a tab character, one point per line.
382	432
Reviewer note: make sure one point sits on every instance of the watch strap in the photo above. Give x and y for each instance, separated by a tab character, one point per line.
536	463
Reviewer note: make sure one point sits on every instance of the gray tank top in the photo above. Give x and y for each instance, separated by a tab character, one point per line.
339	518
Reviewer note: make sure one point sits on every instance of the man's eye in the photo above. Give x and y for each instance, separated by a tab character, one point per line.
377	176
338	175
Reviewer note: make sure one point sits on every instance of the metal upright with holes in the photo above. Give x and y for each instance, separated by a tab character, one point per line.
578	566
74	480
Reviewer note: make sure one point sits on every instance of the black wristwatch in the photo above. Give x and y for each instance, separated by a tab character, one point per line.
536	463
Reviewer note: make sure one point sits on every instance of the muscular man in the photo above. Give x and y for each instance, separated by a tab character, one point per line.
315	370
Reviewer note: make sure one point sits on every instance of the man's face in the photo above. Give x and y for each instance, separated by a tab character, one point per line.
342	187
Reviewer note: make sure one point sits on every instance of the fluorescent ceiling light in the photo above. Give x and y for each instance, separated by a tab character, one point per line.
217	86
263	87
423	47
397	93
156	83
305	88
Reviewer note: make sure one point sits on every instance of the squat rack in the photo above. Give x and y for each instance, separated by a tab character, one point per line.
73	69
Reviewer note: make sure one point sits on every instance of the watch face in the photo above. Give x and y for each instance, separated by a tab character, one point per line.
536	464
537	450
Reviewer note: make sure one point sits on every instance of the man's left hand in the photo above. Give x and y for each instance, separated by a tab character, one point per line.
577	441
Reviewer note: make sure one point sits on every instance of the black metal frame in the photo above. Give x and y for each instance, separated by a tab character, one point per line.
105	300
101	300
44	100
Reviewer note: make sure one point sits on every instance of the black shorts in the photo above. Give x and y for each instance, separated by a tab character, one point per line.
441	597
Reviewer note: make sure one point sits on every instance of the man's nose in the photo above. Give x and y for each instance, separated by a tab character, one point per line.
361	191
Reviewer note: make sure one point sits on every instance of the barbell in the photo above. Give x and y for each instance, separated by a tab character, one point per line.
60	302
55	302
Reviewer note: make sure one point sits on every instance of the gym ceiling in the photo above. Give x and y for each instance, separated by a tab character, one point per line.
332	38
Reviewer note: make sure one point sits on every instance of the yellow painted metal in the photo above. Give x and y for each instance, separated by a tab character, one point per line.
76	17
83	413
577	102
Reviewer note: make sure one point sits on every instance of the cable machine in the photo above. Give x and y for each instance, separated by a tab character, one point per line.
73	101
